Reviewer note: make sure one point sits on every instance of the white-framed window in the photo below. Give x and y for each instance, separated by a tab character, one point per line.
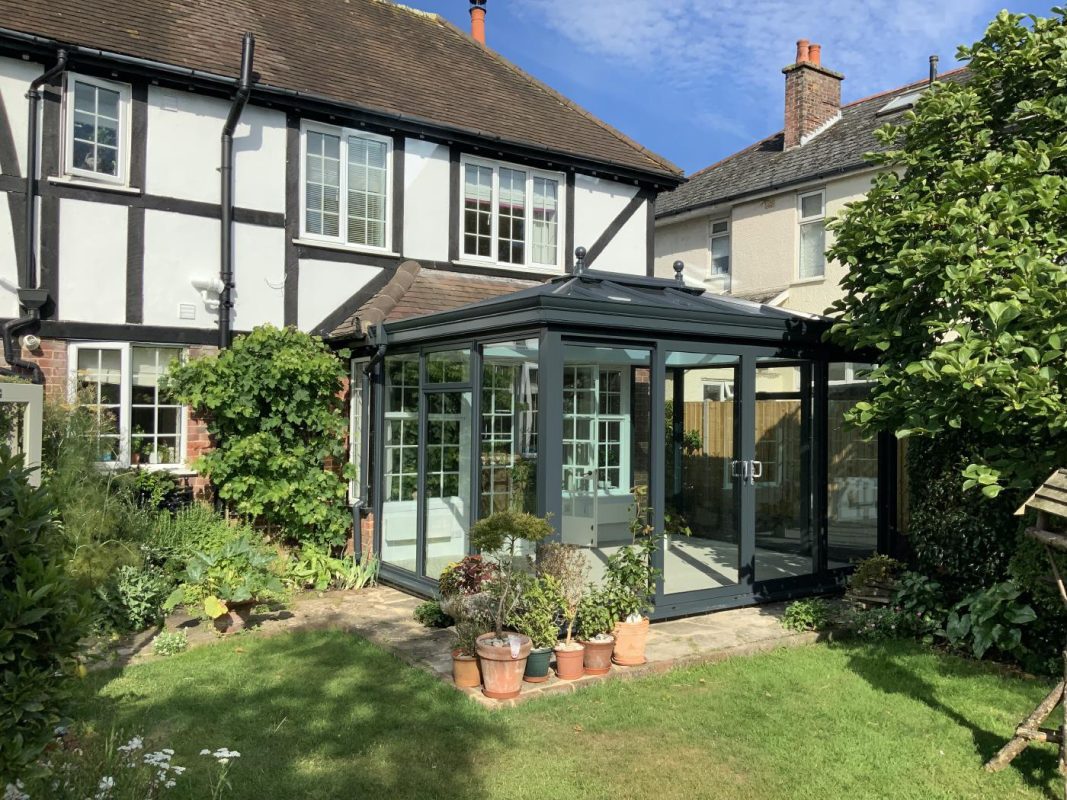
120	382
596	428
719	248
842	372
96	129
811	215
346	186
401	428
511	214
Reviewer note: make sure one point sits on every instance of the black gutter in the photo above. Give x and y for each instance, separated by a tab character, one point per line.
405	123
31	298
244	90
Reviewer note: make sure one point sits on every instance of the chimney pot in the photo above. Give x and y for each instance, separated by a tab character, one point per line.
815	54
812	95
478	21
802	51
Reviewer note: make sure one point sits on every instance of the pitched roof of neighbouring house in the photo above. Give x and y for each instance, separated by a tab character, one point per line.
370	53
765	166
413	290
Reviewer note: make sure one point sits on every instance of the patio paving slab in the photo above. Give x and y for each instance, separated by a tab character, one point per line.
383	615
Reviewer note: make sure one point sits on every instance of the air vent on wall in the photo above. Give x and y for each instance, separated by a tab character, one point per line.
186	311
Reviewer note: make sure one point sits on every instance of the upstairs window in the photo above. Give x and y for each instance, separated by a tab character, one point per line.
96	129
511	215
812	219
719	247
346	186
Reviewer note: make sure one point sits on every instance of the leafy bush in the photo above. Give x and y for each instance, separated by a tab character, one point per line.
244	569
539	611
920	602
43	615
876	624
990	619
877	570
157	489
595	617
133	598
630	580
170	643
432	615
467	576
964	540
174	538
356	573
272	402
568	566
312	568
809	614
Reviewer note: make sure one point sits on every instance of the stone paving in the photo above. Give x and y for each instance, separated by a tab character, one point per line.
384	616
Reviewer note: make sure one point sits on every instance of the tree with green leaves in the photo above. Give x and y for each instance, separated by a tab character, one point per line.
957	259
272	404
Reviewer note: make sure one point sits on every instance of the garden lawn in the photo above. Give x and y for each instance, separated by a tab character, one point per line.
329	715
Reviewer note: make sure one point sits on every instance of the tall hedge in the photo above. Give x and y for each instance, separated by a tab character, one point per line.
43	617
272	403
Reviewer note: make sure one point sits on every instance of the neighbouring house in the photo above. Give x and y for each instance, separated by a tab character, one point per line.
175	202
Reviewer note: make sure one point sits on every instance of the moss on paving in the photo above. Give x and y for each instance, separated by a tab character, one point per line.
329	715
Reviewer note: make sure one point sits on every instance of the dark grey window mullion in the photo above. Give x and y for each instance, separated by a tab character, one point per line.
550	428
809	504
818	375
420	491
475	466
378	381
745	444
657	469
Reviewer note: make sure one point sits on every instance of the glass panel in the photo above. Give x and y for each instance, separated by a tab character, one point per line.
508	431
702	546
153	413
853	475
782	470
95	129
719	227
322	182
448	366
811	205
545	221
511	211
478	211
812	249
448	477
606	427
366	191
99	386
720	255
400	445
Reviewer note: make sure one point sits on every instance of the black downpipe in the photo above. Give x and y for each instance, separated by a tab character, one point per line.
244	89
30	297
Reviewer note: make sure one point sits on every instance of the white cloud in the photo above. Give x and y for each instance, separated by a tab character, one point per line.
698	44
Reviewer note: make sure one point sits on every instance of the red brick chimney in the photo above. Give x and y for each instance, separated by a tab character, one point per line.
478	21
812	95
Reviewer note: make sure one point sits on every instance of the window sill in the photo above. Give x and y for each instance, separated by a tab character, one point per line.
808	281
80	183
345	248
498	265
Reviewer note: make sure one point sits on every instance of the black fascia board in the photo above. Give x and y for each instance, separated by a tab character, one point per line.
20	44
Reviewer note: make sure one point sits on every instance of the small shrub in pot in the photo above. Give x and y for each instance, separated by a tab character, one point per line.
568	566
538	617
595	623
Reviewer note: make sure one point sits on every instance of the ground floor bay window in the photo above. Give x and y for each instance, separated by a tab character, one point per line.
140	423
609	403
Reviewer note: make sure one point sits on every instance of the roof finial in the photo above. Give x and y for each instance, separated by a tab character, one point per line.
679	268
579	260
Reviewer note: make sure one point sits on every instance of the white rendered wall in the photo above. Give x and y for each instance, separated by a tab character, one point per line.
597	202
9	278
183	150
15	78
628	250
178	248
92	262
259	274
325	285
426	190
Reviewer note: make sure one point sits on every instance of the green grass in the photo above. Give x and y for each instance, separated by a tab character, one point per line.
328	715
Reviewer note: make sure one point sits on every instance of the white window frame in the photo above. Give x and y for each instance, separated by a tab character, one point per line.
712	236
531	173
121	177
853	373
803	221
341	239
126	400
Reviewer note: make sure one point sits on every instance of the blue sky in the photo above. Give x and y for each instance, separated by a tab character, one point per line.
697	80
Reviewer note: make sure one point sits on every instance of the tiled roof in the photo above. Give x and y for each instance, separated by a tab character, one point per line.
766	166
369	53
414	290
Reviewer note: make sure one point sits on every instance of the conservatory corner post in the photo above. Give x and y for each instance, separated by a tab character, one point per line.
657	493
550	429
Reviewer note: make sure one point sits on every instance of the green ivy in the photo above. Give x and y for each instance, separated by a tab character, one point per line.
956	260
272	403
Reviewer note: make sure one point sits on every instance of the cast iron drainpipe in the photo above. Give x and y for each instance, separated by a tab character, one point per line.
31	297
244	89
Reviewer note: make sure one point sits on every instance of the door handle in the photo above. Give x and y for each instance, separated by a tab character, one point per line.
756	470
739	469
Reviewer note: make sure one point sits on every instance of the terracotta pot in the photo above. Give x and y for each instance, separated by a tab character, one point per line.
598	656
630	639
570	664
237	617
502	667
465	671
537	665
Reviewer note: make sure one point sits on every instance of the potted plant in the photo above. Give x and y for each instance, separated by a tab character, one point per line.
229	582
629	589
503	655
567	565
465	671
595	623
538	617
463	587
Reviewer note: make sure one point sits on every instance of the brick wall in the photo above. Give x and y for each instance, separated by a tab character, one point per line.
812	99
51	357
